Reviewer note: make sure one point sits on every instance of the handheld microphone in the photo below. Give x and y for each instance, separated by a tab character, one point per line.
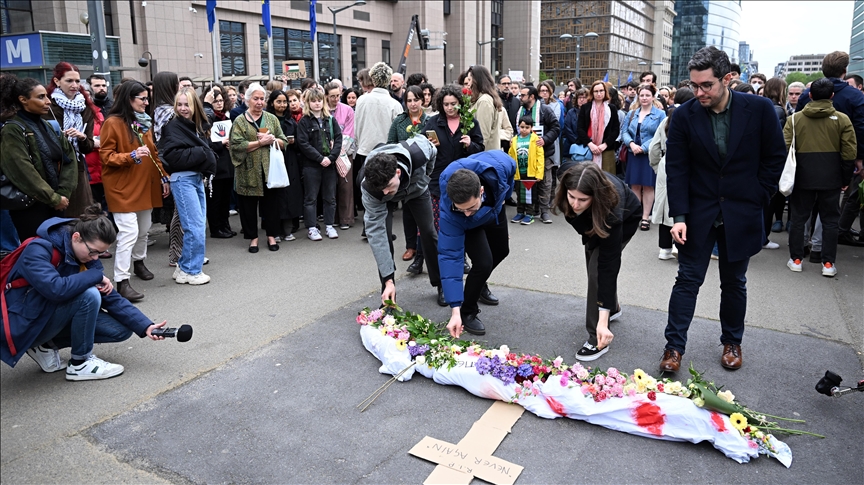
183	334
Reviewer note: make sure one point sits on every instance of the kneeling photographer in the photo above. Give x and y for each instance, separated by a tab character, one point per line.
54	294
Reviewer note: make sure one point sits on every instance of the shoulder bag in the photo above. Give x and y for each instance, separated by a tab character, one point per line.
787	178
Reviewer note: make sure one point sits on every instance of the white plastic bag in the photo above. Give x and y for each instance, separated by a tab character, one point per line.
787	178
384	349
277	175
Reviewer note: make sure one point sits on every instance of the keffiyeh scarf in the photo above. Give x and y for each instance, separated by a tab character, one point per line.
72	109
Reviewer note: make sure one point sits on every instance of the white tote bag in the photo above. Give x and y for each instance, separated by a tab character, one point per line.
787	178
277	175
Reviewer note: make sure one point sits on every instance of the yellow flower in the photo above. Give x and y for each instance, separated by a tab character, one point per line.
699	402
726	396
401	345
639	376
739	422
383	330
651	383
408	128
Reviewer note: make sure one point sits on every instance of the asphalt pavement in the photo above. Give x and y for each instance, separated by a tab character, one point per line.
266	390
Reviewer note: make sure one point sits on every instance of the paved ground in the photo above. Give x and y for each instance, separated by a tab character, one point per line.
265	391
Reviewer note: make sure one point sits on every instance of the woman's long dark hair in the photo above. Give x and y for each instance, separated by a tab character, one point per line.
271	100
484	83
165	87
587	178
454	90
122	107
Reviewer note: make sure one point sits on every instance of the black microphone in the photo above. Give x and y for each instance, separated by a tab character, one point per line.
183	334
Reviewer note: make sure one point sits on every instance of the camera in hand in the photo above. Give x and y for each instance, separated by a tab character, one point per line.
183	334
829	385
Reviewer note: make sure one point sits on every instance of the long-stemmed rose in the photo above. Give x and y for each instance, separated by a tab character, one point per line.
466	112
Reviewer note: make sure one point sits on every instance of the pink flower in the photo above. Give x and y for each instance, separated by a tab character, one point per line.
631	392
564	380
618	390
612	372
535	391
660	387
581	373
557	362
361	319
404	335
376	315
599	379
601	396
620	379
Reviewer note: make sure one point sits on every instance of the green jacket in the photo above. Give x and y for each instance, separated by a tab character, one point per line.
21	162
825	146
398	130
250	172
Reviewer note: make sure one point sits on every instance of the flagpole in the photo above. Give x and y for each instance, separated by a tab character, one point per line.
270	56
314	35
217	51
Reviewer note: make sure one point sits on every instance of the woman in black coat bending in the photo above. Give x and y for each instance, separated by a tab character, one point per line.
606	213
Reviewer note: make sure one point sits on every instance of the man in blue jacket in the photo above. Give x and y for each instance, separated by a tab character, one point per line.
62	305
724	156
473	221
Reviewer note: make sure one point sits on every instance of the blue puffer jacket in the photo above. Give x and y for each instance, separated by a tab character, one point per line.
31	307
496	170
646	132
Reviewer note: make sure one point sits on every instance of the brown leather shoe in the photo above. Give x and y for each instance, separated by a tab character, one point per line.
731	358
671	361
409	254
126	291
141	271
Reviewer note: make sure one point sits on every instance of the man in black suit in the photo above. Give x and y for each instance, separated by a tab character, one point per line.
724	156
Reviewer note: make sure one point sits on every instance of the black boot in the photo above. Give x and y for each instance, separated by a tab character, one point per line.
473	325
487	297
416	267
126	291
141	271
441	300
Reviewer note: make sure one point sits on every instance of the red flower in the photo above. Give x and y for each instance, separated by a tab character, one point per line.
652	395
466	91
660	386
415	122
747	429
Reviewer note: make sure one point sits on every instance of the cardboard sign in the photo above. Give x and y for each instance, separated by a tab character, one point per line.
294	69
517	76
220	131
459	464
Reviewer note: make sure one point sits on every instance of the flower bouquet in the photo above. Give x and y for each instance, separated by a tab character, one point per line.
413	129
466	112
634	403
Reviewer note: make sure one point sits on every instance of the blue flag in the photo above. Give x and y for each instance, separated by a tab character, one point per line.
211	14
630	78
265	16
313	25
606	77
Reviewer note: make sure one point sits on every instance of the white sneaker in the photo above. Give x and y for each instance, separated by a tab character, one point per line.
289	237
331	232
589	352
314	234
277	239
192	279
829	270
48	359
232	212
675	250
177	272
92	369
771	245
794	265
666	254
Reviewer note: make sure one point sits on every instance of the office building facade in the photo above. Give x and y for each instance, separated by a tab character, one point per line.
702	23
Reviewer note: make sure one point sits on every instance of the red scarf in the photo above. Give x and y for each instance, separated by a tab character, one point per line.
297	115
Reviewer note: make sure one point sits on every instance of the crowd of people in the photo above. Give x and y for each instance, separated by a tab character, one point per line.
610	159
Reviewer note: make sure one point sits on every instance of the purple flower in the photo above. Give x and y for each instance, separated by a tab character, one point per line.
483	365
416	350
525	370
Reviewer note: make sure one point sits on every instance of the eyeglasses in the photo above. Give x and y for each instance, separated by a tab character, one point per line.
143	98
333	96
92	252
705	87
472	210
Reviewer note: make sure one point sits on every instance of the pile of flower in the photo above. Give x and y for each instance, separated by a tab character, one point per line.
429	344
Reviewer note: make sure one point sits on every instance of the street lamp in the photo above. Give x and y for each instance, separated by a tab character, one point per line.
143	62
481	44
578	37
334	11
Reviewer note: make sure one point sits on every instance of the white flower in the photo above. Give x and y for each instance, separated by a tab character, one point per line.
389	320
412	344
726	396
420	359
456	348
505	349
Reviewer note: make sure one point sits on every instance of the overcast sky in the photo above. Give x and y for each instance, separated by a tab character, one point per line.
777	30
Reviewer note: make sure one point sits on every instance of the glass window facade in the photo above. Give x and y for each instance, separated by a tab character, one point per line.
296	45
233	43
702	23
16	16
358	58
856	45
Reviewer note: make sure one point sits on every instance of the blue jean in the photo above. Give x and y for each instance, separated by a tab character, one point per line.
692	266
191	206
79	315
8	235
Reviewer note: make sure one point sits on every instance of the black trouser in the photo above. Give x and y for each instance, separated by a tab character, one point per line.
323	180
248	207
409	225
665	236
851	206
772	209
27	221
218	204
359	160
801	202
421	210
487	246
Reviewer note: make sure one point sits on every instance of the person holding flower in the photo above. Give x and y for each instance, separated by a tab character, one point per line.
487	104
134	180
408	124
606	214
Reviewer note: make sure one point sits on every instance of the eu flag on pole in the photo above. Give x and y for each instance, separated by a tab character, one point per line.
606	77
313	25
265	15
211	14
630	77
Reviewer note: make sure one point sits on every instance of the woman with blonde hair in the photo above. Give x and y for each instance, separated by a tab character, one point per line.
187	156
319	140
251	136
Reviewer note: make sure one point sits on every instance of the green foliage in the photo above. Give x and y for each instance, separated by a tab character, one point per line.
543	76
803	78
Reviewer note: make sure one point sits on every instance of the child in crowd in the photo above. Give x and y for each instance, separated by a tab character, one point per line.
529	168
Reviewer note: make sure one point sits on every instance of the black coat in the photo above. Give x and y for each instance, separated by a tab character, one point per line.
610	131
291	201
182	149
311	137
450	148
